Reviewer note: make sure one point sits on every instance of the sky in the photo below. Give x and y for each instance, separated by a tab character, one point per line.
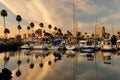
59	13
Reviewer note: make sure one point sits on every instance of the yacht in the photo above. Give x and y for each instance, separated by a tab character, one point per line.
118	44
71	44
40	45
86	46
106	45
27	45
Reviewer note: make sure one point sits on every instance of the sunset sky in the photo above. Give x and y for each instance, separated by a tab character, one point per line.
59	13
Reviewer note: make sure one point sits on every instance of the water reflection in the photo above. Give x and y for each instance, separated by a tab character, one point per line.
6	74
60	65
107	57
49	61
57	56
18	72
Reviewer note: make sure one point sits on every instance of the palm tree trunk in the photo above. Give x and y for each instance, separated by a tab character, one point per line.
19	32
4	28
28	33
4	22
41	32
49	30
32	34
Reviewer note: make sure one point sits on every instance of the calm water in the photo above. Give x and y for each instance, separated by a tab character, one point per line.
61	65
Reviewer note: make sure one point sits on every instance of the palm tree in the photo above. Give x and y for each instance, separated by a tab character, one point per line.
18	18
49	27
60	32
118	33
41	25
19	28
69	33
28	28
93	35
38	31
6	31
55	28
4	14
32	25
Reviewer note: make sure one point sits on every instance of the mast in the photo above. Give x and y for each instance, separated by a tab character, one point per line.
95	30
74	20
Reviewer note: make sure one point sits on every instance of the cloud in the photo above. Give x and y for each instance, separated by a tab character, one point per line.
110	17
60	12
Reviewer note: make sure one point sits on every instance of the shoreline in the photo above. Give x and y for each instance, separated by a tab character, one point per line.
9	45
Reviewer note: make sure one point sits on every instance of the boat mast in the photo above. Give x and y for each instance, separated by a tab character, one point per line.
74	20
95	31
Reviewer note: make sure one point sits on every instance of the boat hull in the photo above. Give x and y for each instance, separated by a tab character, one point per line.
87	49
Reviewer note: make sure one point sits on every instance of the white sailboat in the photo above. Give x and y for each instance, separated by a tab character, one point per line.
106	45
72	47
118	44
28	45
40	45
86	46
72	41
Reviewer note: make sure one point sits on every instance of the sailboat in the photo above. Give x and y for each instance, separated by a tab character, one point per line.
71	43
106	45
118	44
89	45
86	46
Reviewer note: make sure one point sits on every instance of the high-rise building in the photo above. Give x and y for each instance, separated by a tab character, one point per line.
101	31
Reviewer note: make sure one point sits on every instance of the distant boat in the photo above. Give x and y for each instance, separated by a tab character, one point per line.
40	45
56	45
86	46
71	44
106	45
27	45
118	44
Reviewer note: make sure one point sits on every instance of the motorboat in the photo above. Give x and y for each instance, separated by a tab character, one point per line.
106	45
40	45
56	45
87	46
71	46
118	44
28	45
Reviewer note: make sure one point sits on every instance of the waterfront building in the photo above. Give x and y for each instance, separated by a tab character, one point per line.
24	36
101	32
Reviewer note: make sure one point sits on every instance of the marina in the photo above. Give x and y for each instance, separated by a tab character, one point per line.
59	40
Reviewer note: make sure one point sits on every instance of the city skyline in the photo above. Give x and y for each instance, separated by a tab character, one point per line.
60	14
